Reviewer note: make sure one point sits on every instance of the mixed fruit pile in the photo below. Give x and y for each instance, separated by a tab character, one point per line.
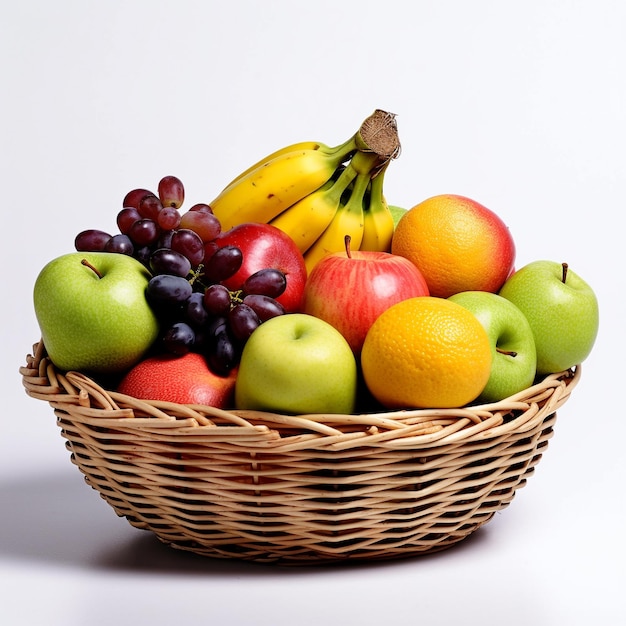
298	289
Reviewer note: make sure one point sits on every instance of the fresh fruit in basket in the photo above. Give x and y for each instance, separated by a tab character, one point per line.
562	310
185	380
514	357
297	363
350	289
93	313
457	243
273	245
426	352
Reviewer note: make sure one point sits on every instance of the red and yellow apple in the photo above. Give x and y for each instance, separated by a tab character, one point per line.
182	379
350	289
265	246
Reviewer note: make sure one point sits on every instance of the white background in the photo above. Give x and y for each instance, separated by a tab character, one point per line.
520	105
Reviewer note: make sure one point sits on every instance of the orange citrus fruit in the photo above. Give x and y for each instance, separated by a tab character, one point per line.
457	244
426	352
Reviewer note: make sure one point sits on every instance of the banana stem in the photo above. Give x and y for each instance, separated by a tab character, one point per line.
355	202
379	134
365	162
336	190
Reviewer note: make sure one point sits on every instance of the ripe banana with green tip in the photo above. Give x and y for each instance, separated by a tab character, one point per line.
348	220
378	222
307	219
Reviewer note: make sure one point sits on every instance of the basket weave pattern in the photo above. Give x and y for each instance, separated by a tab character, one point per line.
300	489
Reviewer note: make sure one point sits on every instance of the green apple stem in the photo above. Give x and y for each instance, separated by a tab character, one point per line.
86	263
507	352
565	267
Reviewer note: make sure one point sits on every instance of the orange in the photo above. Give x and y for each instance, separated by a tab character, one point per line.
426	352
457	244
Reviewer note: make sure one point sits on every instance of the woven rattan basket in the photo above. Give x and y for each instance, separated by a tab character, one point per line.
305	489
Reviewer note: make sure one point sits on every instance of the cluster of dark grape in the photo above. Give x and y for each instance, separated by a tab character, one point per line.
196	311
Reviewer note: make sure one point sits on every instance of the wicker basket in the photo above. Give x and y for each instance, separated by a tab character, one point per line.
304	489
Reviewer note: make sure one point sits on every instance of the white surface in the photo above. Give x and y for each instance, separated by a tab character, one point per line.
521	106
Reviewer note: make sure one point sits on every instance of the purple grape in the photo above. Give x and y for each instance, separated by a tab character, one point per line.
268	282
243	321
179	338
120	244
264	306
126	218
217	299
164	289
168	261
168	218
149	207
188	242
91	240
222	353
171	192
196	314
142	254
205	224
133	198
223	264
144	232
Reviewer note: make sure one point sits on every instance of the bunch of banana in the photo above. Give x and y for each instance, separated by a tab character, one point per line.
349	216
319	194
279	181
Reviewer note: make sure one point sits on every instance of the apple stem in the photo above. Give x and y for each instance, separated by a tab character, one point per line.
565	267
507	352
347	239
86	263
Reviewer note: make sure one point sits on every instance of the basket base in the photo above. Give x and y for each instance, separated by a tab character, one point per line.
303	559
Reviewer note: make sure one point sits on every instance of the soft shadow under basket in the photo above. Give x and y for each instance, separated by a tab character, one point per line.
300	489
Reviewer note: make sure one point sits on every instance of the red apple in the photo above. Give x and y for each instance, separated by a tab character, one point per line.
349	290
185	380
265	246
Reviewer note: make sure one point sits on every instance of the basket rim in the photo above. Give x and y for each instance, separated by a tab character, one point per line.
79	396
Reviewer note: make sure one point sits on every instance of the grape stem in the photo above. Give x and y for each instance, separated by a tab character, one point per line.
86	263
196	274
236	298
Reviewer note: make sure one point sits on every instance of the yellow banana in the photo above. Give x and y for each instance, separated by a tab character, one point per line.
377	133
307	219
294	147
378	223
348	219
266	191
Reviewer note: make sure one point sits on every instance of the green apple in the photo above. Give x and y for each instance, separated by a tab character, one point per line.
562	310
93	313
514	357
297	363
396	212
